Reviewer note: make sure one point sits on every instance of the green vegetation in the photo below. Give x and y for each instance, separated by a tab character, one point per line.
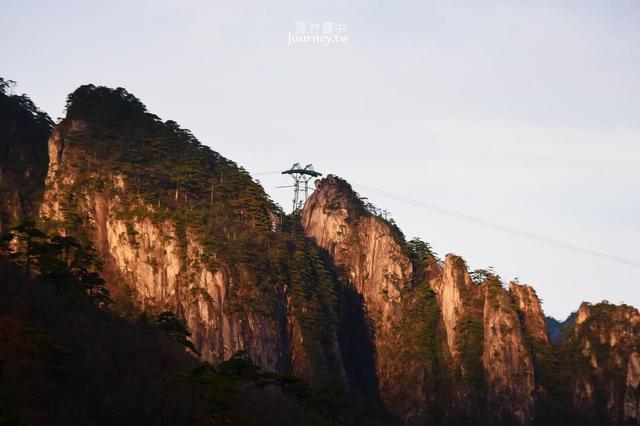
60	260
470	330
170	177
552	377
24	131
59	337
314	301
594	357
66	359
237	392
479	276
470	345
175	328
419	252
422	326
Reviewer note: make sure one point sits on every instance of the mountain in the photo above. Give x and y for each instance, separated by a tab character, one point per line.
330	310
181	228
122	208
557	328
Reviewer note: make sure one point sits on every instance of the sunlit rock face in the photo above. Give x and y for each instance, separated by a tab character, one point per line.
362	244
529	304
450	282
507	360
606	387
371	256
150	262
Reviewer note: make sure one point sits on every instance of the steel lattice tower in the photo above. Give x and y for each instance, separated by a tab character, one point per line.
301	177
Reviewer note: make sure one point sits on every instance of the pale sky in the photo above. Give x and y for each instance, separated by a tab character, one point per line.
526	114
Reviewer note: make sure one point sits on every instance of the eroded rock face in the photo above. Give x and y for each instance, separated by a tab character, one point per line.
450	284
607	381
632	391
149	260
507	361
373	262
529	303
55	179
362	244
370	255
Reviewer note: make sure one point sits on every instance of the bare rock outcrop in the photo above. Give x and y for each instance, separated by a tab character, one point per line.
529	304
450	285
369	254
507	360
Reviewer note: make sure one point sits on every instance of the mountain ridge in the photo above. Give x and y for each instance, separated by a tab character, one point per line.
332	294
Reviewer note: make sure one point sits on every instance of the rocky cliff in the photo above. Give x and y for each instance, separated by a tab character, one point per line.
529	305
482	349
606	346
470	350
507	359
370	256
225	271
450	283
159	270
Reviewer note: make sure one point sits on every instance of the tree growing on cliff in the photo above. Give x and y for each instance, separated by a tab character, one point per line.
61	260
479	276
171	324
32	239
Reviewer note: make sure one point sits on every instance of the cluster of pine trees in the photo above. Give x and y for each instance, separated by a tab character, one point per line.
24	131
61	260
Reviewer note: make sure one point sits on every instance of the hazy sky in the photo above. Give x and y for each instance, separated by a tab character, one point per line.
522	113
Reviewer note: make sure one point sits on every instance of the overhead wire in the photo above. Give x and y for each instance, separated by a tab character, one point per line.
488	223
494	225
